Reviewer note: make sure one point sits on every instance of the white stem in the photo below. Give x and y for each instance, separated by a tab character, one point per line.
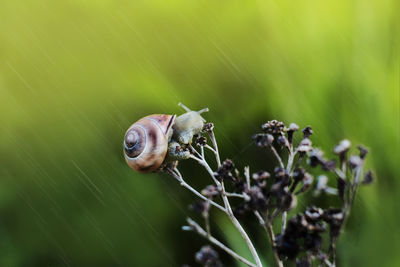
244	196
232	217
284	215
247	175
197	228
277	156
216	152
176	174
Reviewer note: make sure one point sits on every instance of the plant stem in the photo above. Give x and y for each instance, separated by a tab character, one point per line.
277	156
187	186
197	228
267	226
227	205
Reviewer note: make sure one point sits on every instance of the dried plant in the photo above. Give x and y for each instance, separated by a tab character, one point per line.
268	196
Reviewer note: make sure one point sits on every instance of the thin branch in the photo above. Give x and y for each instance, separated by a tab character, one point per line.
207	167
277	156
216	152
229	211
267	226
197	228
247	175
210	148
187	186
284	215
244	196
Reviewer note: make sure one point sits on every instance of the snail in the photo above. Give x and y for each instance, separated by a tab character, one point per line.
160	138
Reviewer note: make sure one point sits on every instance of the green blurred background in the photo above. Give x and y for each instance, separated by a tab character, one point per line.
75	74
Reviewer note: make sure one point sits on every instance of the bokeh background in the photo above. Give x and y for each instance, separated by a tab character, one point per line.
75	74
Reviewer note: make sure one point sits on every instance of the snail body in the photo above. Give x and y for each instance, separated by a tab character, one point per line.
160	138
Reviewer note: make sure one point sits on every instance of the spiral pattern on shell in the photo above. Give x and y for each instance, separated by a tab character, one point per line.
146	142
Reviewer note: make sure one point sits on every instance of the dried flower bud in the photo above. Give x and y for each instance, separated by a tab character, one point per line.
342	147
201	141
293	127
368	178
313	214
261	175
201	207
224	172
316	157
208	257
208	127
210	191
263	140
363	151
305	146
257	199
273	127
355	161
282	176
307	132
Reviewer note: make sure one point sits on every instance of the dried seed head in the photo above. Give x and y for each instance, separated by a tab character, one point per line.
261	175
257	199
313	214
293	127
208	257
208	127
224	172
307	132
363	151
316	157
273	127
263	140
305	145
201	141
261	178
282	176
342	147
368	178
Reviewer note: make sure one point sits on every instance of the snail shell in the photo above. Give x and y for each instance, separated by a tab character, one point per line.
146	142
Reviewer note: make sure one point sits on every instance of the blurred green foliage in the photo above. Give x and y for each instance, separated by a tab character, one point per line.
75	74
